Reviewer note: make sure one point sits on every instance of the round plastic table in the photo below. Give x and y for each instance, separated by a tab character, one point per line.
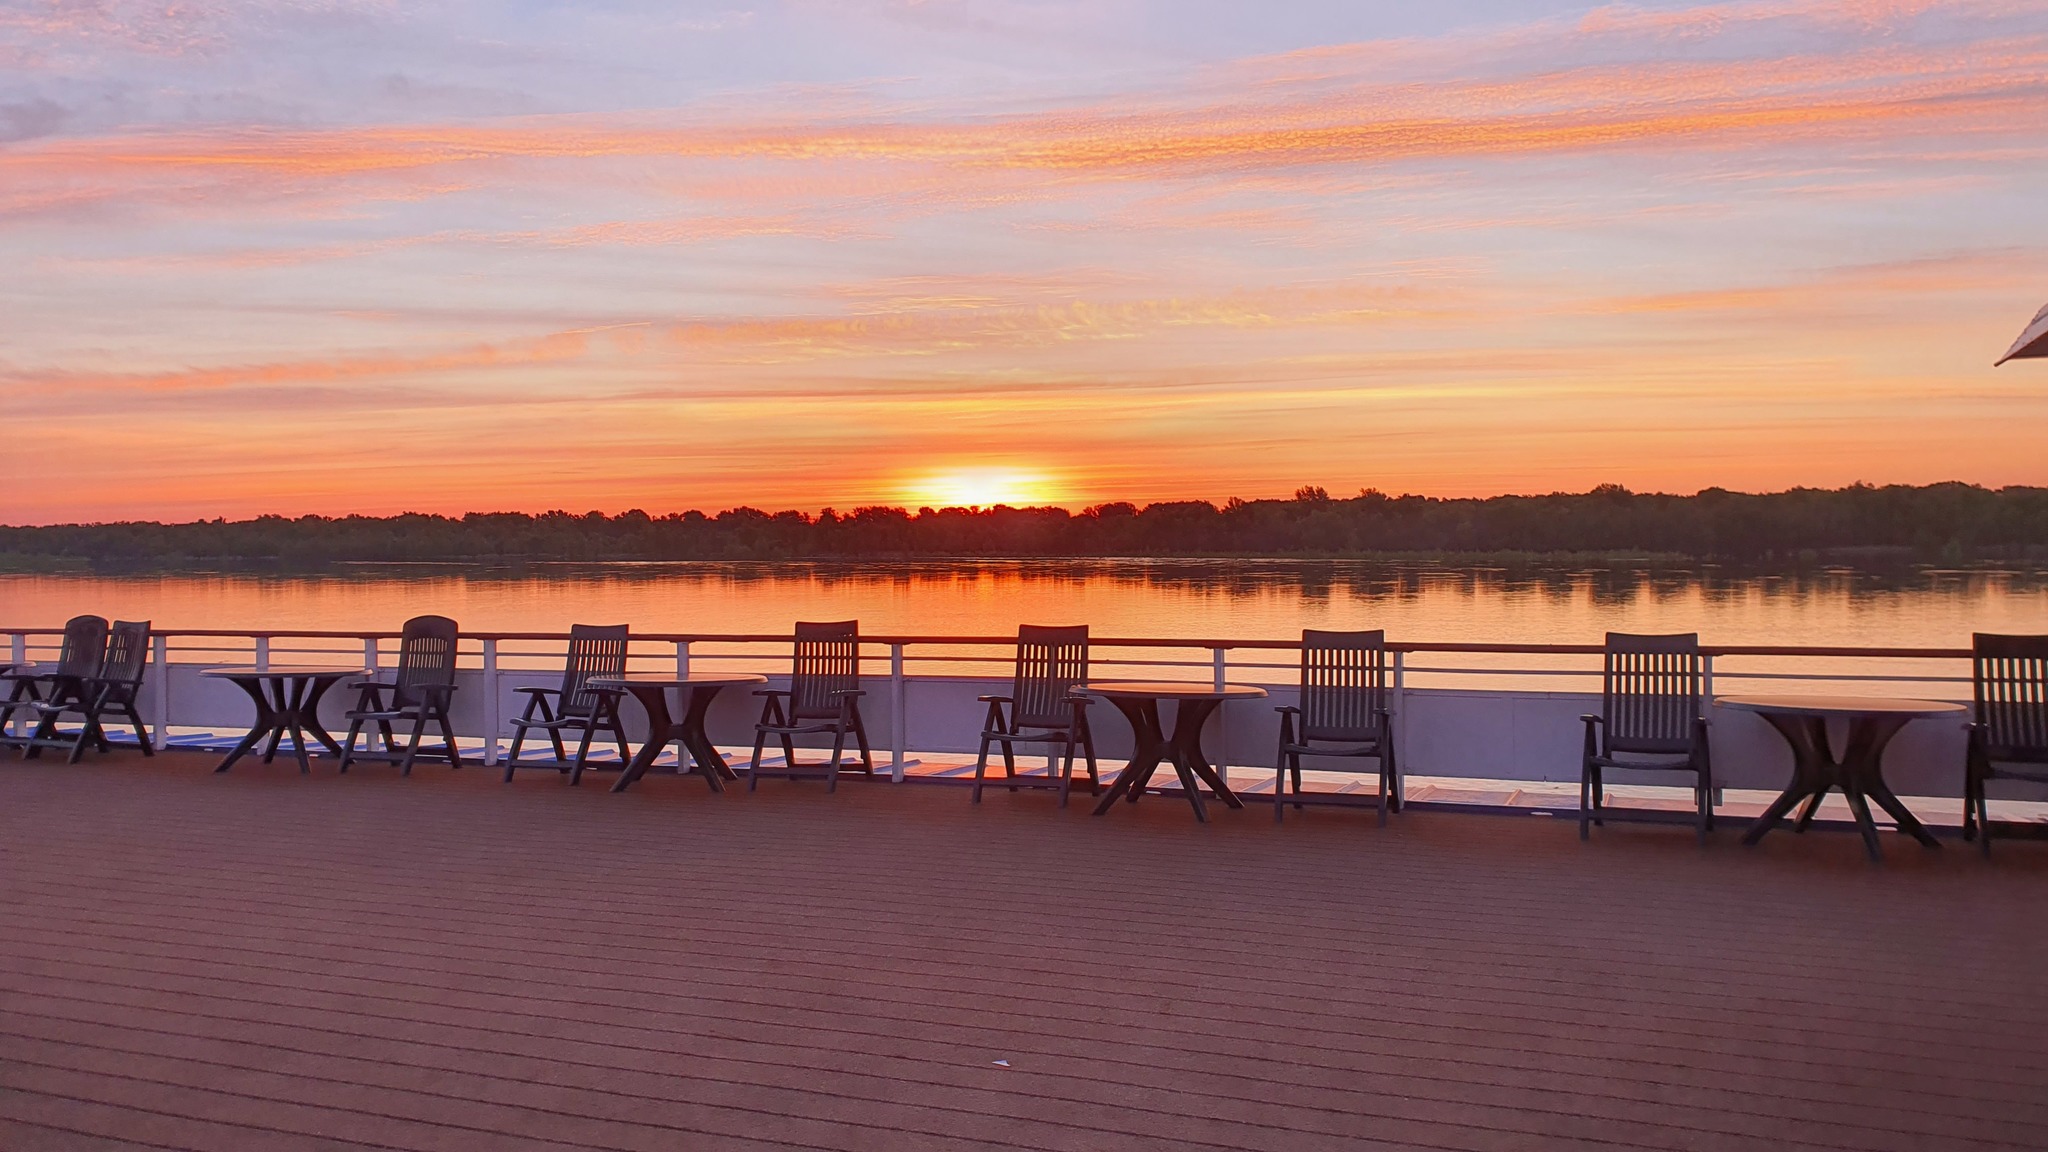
1858	772
1139	701
697	691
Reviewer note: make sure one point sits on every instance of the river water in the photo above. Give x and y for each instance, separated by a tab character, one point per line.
1181	599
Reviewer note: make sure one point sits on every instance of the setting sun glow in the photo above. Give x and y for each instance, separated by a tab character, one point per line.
980	488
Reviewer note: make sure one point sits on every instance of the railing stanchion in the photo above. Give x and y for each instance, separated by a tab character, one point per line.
263	653
682	659
1401	712
370	654
160	708
491	706
1219	659
18	725
897	743
1707	698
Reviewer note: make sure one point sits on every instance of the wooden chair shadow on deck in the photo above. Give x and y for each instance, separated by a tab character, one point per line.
1051	662
1342	714
594	652
420	693
2009	738
1649	720
823	696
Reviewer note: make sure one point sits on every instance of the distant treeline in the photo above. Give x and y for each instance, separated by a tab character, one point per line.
1935	523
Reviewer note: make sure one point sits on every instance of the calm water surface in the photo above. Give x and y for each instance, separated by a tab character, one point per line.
1230	599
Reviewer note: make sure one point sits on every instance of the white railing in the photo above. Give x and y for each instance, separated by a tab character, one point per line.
1492	711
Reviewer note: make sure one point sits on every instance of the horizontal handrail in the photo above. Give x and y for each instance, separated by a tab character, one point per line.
1467	647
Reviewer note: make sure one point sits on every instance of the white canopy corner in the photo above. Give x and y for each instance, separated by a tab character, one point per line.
2033	343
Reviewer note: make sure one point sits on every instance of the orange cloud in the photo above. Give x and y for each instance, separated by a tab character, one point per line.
1986	86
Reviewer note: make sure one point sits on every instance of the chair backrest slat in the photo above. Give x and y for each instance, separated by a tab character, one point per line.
127	653
426	658
85	646
1343	684
2010	674
827	663
1050	662
594	651
1650	691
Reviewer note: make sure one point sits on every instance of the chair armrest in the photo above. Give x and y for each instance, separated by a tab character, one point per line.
366	683
549	691
771	691
993	700
1289	709
1591	718
850	692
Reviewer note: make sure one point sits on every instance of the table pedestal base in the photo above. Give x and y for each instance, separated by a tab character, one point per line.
1859	774
662	730
285	706
1183	750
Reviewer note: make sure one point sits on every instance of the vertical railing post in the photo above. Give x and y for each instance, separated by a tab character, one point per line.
491	704
1219	661
20	726
370	654
682	659
263	653
1401	724
160	709
898	744
1707	698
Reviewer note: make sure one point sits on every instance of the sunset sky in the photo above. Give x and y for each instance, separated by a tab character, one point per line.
360	256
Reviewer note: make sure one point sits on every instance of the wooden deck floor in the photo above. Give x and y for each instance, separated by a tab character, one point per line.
261	961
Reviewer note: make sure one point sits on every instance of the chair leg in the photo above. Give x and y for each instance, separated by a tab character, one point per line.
512	757
754	767
1983	821
448	735
1585	799
838	747
348	744
1010	765
1386	785
980	770
582	752
1067	770
618	729
1969	802
412	747
1599	796
141	733
1088	744
1280	790
1392	762
1706	811
860	737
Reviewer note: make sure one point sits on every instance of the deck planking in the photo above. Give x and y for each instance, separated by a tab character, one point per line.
445	962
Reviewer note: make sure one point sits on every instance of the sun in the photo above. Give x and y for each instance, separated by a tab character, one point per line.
980	488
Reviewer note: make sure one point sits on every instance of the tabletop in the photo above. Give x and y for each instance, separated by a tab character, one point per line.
1838	705
288	670
1167	690
661	680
